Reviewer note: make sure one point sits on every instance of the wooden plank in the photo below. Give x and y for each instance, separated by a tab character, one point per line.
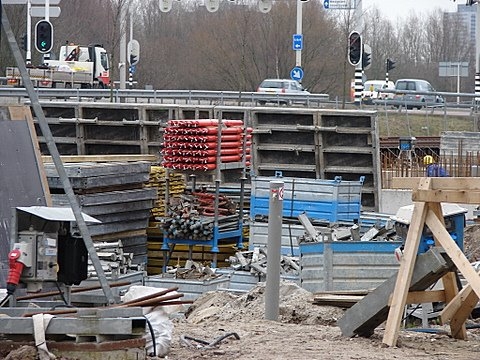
457	322
465	296
450	196
102	158
345	301
449	281
459	309
453	251
405	272
463	265
445	183
420	297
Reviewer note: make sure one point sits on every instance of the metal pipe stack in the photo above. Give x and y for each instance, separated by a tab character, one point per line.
191	216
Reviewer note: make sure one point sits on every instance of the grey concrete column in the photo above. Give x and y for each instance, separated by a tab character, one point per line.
274	244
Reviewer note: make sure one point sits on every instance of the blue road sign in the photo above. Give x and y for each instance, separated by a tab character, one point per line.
326	4
297	42
296	73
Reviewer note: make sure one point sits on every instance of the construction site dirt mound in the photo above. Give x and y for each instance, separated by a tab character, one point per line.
235	327
471	242
295	307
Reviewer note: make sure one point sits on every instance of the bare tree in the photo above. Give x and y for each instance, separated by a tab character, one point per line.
238	46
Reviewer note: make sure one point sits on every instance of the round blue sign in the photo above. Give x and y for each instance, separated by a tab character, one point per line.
296	73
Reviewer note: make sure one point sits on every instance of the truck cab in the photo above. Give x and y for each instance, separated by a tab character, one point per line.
77	66
92	58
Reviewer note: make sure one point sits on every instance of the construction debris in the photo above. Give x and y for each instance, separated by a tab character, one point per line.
203	344
114	260
346	232
255	262
194	270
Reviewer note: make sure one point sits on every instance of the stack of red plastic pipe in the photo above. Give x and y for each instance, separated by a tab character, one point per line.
199	145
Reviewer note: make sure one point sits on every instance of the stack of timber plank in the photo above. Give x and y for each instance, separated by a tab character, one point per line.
113	192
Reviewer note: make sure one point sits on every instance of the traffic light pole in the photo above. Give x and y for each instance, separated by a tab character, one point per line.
130	73
28	49
46	56
358	87
477	57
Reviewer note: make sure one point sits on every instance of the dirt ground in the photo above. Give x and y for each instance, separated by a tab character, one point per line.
303	331
306	331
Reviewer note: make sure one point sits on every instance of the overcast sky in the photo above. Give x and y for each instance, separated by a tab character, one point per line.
401	8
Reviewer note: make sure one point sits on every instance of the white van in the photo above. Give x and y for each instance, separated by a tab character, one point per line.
372	90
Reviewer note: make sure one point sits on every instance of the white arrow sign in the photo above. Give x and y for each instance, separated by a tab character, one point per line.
39	11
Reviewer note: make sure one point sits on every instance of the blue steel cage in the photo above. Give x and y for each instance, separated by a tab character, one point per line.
330	200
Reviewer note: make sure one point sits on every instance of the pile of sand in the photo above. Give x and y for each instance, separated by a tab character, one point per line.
295	306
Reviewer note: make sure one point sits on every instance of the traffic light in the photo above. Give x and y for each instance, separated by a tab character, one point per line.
354	48
390	65
133	59
366	57
43	36
24	42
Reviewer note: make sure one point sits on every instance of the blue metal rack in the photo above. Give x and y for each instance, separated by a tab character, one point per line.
236	235
218	235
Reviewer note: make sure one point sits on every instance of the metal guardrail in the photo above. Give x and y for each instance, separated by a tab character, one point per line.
187	96
470	101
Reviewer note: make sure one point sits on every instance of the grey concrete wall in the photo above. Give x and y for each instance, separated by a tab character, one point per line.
391	200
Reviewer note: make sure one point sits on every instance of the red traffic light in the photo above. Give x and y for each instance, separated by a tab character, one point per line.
355	48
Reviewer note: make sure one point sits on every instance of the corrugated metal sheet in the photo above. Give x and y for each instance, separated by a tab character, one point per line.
351	265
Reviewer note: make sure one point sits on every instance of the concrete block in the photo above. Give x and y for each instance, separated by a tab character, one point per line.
362	318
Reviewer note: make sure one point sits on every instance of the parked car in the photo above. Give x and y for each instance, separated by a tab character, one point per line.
416	100
280	86
372	90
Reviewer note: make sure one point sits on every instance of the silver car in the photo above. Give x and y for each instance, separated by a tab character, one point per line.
412	100
280	86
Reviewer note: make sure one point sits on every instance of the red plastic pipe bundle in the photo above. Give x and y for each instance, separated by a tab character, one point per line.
194	144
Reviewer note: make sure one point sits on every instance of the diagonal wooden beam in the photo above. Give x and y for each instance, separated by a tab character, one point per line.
405	271
453	251
458	329
463	302
466	296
